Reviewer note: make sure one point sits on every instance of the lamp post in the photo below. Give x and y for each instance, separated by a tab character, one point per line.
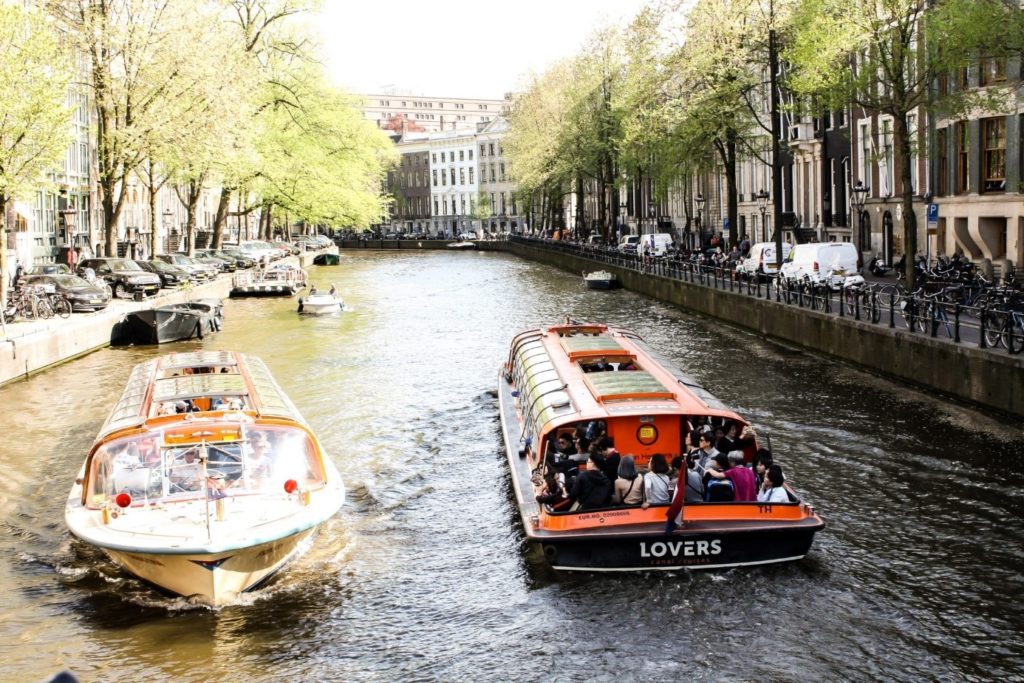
700	214
762	206
858	195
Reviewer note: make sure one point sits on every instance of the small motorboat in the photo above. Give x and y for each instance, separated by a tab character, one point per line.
321	304
600	279
174	322
461	245
204	480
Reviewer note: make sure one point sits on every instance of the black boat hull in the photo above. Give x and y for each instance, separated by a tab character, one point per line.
685	549
169	324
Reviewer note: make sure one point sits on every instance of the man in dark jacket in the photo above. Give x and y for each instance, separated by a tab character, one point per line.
592	489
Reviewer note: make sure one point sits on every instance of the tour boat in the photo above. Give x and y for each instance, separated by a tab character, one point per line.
210	502
281	279
549	387
320	304
600	279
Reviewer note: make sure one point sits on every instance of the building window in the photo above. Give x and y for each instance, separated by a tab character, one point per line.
501	171
962	151
483	150
452	170
444	177
490	149
462	155
442	157
435	177
994	162
470	151
471	181
942	154
993	70
492	174
435	157
887	158
436	212
462	176
494	206
865	154
912	133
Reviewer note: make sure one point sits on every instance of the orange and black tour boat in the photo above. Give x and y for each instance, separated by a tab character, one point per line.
648	406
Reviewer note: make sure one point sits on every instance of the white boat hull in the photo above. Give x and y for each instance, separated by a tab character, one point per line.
320	304
214	578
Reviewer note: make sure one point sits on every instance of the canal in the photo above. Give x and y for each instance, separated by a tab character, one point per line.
424	574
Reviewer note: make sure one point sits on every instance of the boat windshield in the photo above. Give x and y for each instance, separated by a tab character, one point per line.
169	465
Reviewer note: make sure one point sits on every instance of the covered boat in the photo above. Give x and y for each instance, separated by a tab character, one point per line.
320	304
600	279
174	322
572	376
212	501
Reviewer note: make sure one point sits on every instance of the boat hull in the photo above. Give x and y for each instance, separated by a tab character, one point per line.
326	260
320	304
212	578
684	549
600	284
167	324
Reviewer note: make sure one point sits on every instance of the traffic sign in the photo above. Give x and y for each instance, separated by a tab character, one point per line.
933	218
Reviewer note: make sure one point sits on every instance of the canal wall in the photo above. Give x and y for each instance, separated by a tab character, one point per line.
37	345
987	378
391	245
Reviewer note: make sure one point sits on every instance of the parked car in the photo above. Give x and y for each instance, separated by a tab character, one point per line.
629	243
200	272
259	249
241	260
223	265
83	295
123	275
170	275
821	263
467	236
290	249
49	269
761	258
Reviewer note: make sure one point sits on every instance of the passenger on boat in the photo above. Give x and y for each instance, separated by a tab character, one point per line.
705	451
773	489
553	493
629	485
716	487
628	366
333	290
657	483
611	464
592	489
694	487
762	461
564	445
730	442
184	474
312	289
259	462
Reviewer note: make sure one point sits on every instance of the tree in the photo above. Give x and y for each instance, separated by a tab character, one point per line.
888	56
35	72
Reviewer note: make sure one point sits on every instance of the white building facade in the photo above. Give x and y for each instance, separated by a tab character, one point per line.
453	182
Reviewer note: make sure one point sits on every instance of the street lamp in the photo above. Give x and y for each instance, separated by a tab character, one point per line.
68	217
700	213
858	196
762	206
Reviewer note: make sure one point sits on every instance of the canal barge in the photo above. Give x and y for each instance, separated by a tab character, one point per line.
548	388
174	322
204	480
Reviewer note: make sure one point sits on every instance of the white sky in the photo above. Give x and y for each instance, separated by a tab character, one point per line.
456	48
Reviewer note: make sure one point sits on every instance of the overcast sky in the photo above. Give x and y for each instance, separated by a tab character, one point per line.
456	48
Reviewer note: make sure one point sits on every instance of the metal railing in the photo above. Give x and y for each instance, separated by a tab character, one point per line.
916	313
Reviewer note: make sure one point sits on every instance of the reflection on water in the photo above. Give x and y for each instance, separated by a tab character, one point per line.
424	575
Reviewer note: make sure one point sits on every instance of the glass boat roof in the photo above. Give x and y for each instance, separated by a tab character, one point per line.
618	384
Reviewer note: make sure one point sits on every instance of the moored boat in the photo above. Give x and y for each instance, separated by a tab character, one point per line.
568	377
326	259
174	322
600	279
277	280
210	502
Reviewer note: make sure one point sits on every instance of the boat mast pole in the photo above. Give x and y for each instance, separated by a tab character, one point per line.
203	455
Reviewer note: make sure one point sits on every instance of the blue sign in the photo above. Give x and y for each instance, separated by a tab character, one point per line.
933	213
725	224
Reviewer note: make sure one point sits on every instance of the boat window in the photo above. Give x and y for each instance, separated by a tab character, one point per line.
262	461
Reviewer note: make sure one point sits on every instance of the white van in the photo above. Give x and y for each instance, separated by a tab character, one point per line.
819	262
762	258
628	243
658	243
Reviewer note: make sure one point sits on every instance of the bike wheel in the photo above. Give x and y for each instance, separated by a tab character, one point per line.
61	306
850	300
994	323
874	308
44	309
1012	335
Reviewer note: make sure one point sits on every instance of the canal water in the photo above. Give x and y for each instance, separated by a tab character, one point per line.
424	574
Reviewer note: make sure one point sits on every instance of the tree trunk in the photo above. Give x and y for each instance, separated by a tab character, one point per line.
580	219
220	222
732	199
5	275
195	190
904	145
154	236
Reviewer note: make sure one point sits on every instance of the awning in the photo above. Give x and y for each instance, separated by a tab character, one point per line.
23	210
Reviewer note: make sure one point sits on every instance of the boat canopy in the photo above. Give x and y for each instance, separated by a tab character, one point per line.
621	385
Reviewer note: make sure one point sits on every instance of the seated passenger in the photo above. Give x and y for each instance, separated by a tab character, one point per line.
553	493
773	490
564	445
592	489
628	366
730	442
694	487
687	490
705	452
717	487
743	481
762	461
258	462
657	489
629	485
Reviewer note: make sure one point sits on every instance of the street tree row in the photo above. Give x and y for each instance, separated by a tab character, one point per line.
683	90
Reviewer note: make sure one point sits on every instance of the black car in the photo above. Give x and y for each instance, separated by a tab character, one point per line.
123	275
83	295
170	275
241	259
